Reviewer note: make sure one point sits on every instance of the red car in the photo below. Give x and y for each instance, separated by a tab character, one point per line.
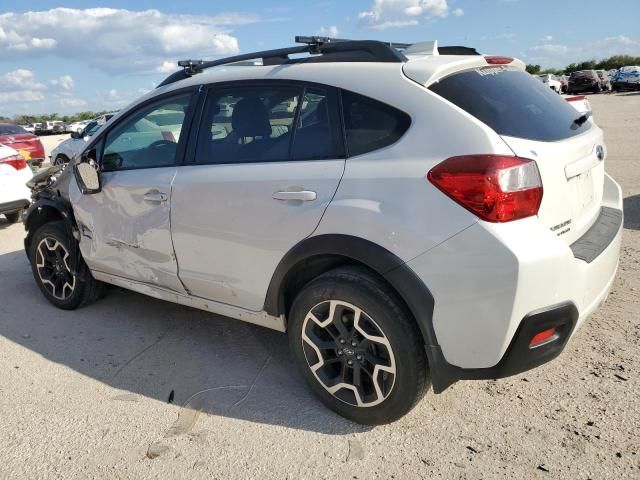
27	144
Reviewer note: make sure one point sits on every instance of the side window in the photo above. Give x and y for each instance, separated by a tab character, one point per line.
318	133
248	124
149	138
369	124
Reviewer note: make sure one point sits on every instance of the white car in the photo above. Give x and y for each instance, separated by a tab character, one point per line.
14	174
77	126
29	128
410	215
552	82
73	146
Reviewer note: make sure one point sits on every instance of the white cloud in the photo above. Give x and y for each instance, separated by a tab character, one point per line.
167	67
506	35
331	31
20	79
547	38
21	96
65	82
399	13
73	102
117	40
557	55
551	49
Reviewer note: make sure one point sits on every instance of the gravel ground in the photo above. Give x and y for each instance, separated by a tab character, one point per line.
85	394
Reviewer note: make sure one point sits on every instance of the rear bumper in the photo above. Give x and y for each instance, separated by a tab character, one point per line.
493	285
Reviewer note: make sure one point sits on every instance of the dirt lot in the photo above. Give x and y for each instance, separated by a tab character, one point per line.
84	394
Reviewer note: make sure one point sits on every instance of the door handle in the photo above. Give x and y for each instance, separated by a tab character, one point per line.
304	195
154	196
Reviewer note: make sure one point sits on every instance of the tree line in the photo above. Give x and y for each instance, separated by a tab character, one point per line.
610	63
77	117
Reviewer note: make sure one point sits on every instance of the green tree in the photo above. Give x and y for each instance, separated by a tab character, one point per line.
533	69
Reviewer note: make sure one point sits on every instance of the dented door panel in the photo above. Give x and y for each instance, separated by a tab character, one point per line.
125	229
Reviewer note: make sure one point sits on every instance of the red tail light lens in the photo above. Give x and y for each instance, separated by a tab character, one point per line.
497	188
575	98
16	161
497	60
543	337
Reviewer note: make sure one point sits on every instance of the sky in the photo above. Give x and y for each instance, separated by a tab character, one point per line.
95	55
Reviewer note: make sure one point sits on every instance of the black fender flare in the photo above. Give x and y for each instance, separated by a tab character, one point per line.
394	270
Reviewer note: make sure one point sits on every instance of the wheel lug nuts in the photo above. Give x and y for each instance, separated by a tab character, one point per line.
354	344
350	362
359	357
342	341
339	352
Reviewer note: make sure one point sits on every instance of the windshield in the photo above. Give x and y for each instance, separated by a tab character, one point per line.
512	103
7	129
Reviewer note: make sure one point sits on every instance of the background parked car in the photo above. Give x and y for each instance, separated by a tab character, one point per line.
584	81
14	174
28	128
627	78
564	80
69	148
25	143
552	82
77	126
605	82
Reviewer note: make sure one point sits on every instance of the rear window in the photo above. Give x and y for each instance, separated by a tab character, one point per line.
581	74
12	130
371	125
513	103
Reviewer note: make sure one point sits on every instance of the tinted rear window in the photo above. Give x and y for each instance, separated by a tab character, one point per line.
371	125
581	74
513	103
11	130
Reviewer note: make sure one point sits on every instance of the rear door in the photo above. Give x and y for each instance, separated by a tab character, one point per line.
269	159
539	125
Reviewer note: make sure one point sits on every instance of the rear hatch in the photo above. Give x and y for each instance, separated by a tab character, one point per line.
538	124
582	79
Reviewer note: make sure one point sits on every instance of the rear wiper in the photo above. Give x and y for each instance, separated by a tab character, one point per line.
578	122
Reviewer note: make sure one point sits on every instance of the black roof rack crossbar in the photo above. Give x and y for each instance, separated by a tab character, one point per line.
331	49
321	49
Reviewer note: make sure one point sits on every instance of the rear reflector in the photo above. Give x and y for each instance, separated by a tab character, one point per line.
16	161
497	60
576	98
544	337
496	188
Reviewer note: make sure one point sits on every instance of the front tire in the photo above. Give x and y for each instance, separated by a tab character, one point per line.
358	347
56	268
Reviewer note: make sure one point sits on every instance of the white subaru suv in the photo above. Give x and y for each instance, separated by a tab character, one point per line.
410	215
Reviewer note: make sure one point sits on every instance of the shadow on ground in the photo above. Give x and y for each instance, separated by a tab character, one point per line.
632	212
149	347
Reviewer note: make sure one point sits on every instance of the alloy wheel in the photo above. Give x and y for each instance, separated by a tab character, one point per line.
348	353
52	265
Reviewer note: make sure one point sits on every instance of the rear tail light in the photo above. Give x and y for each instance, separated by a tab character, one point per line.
576	98
544	337
497	60
496	188
16	161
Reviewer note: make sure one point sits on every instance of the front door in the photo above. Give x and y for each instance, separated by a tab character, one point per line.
125	228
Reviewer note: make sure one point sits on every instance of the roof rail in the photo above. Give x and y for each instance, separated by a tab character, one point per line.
321	49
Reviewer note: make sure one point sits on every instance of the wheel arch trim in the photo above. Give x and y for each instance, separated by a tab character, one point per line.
411	289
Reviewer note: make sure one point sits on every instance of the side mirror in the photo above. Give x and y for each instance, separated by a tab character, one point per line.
75	135
87	174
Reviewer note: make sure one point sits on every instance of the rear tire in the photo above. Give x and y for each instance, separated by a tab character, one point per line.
54	268
13	217
358	347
